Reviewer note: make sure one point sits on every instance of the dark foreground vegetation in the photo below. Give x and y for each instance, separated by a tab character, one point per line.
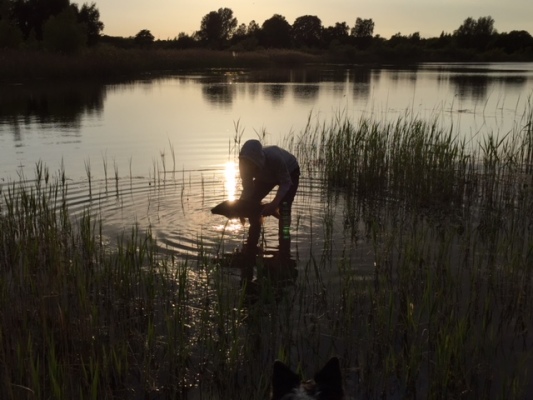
50	40
447	312
109	63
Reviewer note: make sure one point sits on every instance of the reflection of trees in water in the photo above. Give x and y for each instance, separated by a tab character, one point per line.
221	93
361	78
477	87
470	86
307	76
252	90
404	74
274	83
275	92
286	75
306	92
52	105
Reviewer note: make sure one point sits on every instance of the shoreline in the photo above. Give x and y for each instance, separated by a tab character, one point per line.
111	63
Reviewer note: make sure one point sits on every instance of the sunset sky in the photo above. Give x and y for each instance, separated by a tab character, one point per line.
167	18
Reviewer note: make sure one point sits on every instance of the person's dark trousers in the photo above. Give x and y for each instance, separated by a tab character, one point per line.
261	189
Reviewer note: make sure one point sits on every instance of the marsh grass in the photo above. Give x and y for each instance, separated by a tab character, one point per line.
449	311
446	312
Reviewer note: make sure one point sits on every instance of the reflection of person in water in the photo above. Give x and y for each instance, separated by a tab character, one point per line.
261	169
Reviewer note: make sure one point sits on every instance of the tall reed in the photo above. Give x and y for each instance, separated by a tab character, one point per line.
445	313
449	228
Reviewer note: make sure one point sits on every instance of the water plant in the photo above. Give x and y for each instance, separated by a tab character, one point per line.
445	311
450	233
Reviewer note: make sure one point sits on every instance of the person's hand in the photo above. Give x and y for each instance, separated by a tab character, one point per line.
270	209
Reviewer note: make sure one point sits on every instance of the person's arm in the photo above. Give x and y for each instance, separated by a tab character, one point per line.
283	188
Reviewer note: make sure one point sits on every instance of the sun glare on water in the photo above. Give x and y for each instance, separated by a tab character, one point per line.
230	190
231	180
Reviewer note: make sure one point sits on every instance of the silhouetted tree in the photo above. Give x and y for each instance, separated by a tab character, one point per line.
217	27
445	40
253	28
467	29
210	27
144	38
5	10
90	17
337	33
30	15
485	26
397	39
10	35
246	37
363	32
474	33
184	41
363	28
307	31
276	32
241	31
63	33
514	42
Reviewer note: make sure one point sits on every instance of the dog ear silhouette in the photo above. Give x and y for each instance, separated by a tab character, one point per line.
284	380
329	380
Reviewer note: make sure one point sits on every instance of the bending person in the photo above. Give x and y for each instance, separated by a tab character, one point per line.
261	169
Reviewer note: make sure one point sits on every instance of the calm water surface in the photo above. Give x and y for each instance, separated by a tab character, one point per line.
159	150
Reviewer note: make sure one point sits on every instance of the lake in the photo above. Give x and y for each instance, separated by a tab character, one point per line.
423	290
159	151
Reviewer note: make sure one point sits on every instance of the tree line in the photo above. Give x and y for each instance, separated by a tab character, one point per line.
55	25
61	26
220	30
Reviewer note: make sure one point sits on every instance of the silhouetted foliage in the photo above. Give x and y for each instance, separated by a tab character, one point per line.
38	24
144	38
398	39
90	17
253	28
307	31
217	27
246	37
31	16
362	32
337	33
240	32
445	40
10	35
118	41
4	10
276	32
474	33
62	32
363	28
514	41
184	41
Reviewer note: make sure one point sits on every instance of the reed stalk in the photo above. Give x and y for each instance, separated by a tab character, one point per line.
445	312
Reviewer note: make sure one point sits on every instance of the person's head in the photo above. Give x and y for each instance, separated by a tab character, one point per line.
252	153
